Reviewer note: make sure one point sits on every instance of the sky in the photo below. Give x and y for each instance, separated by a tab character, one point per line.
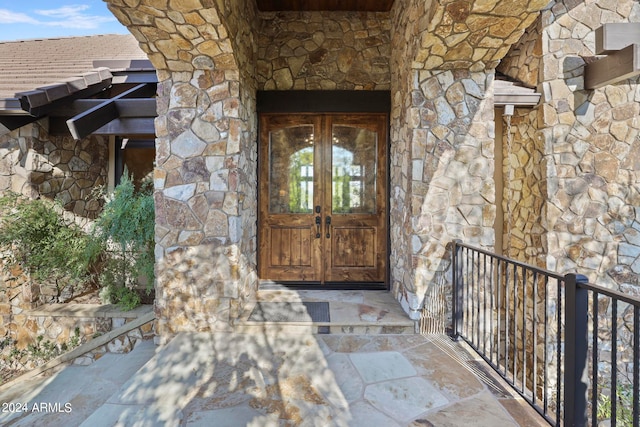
35	19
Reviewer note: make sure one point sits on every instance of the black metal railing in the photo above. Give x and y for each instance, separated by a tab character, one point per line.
568	347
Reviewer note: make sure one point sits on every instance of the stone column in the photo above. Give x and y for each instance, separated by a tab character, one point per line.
205	175
452	186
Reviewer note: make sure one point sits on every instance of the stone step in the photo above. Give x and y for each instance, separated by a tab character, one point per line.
350	312
316	328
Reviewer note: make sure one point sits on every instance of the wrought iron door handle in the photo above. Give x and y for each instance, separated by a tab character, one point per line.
318	224
328	222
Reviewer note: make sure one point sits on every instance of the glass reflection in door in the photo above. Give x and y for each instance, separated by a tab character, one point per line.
291	170
353	180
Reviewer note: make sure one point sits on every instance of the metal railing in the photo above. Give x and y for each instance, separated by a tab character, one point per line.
569	348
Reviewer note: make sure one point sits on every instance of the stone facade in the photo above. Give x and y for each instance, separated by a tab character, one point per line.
442	136
36	164
437	61
312	51
585	143
205	177
575	159
570	173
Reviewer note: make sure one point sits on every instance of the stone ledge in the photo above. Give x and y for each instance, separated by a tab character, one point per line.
81	350
88	310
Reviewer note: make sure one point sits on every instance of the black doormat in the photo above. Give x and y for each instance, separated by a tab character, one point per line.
290	312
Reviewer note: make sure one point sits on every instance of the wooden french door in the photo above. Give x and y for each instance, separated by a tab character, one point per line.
323	199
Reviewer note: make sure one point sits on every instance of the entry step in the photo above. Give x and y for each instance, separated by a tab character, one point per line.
283	310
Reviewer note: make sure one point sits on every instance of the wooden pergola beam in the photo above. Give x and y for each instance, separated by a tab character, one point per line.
615	67
38	104
87	122
131	127
9	123
136	107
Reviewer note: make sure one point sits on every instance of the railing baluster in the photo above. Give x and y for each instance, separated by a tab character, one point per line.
524	328
498	309
456	302
484	304
476	265
465	290
488	292
492	304
474	332
636	366
594	361
614	362
515	324
559	300
470	287
534	353
545	391
507	314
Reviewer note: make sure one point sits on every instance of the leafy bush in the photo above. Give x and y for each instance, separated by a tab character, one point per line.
47	246
14	361
126	229
624	405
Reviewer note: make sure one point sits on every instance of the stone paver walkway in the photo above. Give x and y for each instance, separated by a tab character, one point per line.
280	376
235	380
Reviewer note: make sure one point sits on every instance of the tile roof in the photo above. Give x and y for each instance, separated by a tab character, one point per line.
29	64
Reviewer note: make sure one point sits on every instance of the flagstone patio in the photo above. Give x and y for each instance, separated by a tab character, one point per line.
287	376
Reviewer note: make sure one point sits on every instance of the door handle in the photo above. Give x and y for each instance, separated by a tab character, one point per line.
318	224
328	222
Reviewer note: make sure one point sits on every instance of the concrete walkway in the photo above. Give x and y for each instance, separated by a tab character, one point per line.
293	379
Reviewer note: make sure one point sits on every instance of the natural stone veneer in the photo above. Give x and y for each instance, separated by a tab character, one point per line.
36	164
308	51
205	176
211	57
576	159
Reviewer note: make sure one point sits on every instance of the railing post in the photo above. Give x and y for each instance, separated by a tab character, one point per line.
456	316
576	351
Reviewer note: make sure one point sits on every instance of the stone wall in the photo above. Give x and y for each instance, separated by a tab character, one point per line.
35	164
30	309
205	176
524	192
212	56
322	50
441	166
408	22
586	146
589	143
523	62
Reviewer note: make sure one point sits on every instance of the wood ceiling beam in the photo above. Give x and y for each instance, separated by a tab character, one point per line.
329	5
615	67
87	122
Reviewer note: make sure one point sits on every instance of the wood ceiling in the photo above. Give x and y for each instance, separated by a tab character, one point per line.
329	5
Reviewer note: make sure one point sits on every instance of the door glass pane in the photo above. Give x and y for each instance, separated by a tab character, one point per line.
291	170
353	181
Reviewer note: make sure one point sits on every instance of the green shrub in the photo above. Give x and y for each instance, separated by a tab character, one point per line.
35	235
126	230
624	405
